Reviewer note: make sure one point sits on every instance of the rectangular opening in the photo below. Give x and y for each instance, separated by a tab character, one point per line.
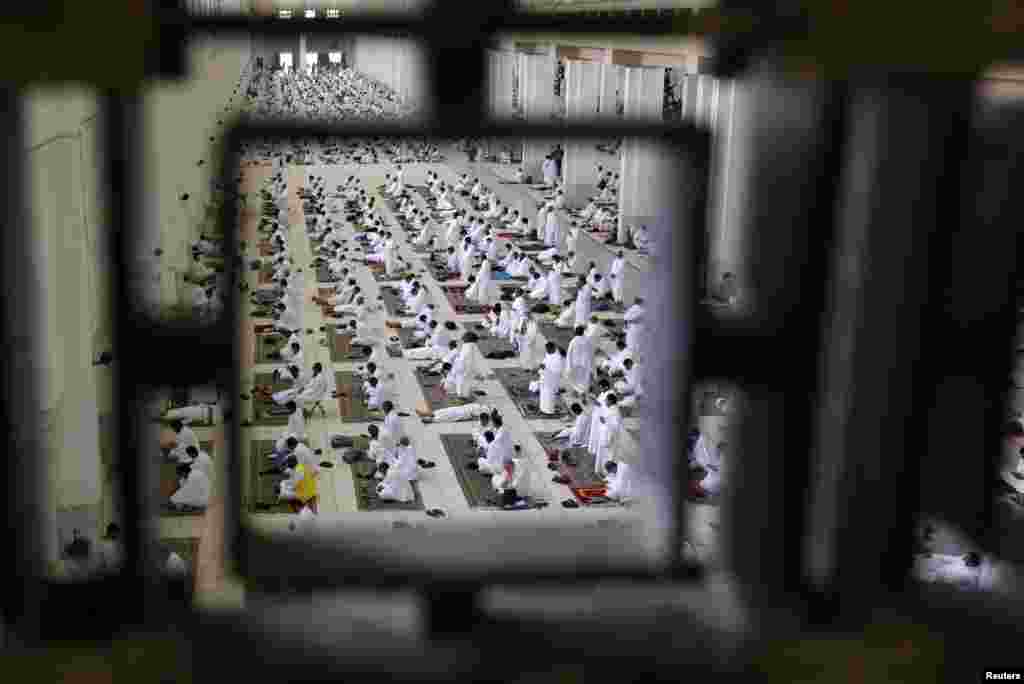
479	529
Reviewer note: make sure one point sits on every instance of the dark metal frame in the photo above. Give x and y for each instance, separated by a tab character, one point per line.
875	204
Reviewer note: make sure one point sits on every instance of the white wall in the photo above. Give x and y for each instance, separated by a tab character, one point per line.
397	64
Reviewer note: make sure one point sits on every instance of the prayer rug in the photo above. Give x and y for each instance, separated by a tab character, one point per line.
340	347
492	347
262	497
462	450
585	484
528	246
392	301
560	336
433	392
516	382
267	345
261	408
405	341
169	480
381	276
506	276
352	406
439	270
366	490
456	295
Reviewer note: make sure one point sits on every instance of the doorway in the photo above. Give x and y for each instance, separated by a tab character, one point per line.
284	60
311	60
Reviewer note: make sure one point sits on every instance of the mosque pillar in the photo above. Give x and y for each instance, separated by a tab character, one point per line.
300	54
641	187
583	81
609	88
538	93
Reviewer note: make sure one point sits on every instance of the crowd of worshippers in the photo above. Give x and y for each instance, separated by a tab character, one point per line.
323	95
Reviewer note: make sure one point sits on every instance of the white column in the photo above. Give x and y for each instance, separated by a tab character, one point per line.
503	97
300	58
639	181
537	84
609	86
583	82
728	162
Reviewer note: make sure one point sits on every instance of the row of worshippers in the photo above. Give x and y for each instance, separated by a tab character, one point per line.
195	470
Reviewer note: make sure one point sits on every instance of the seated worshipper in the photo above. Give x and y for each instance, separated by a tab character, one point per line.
609	434
528	341
295	375
580	362
579	434
635	337
396	484
316	389
631	387
198	458
494	453
567	318
184	437
444	202
292	356
363	335
194	489
509	479
519	176
619	479
614	363
601	291
438	367
301	484
549	380
642	238
381	448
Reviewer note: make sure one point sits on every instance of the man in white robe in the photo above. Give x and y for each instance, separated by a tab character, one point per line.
471	366
619	479
579	433
397	483
549	380
194	489
529	341
610	434
456	413
583	303
580	361
616	277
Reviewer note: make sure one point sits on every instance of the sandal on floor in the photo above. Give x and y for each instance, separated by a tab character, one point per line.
569	503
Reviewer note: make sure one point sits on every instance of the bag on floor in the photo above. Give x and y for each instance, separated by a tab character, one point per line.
540	308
